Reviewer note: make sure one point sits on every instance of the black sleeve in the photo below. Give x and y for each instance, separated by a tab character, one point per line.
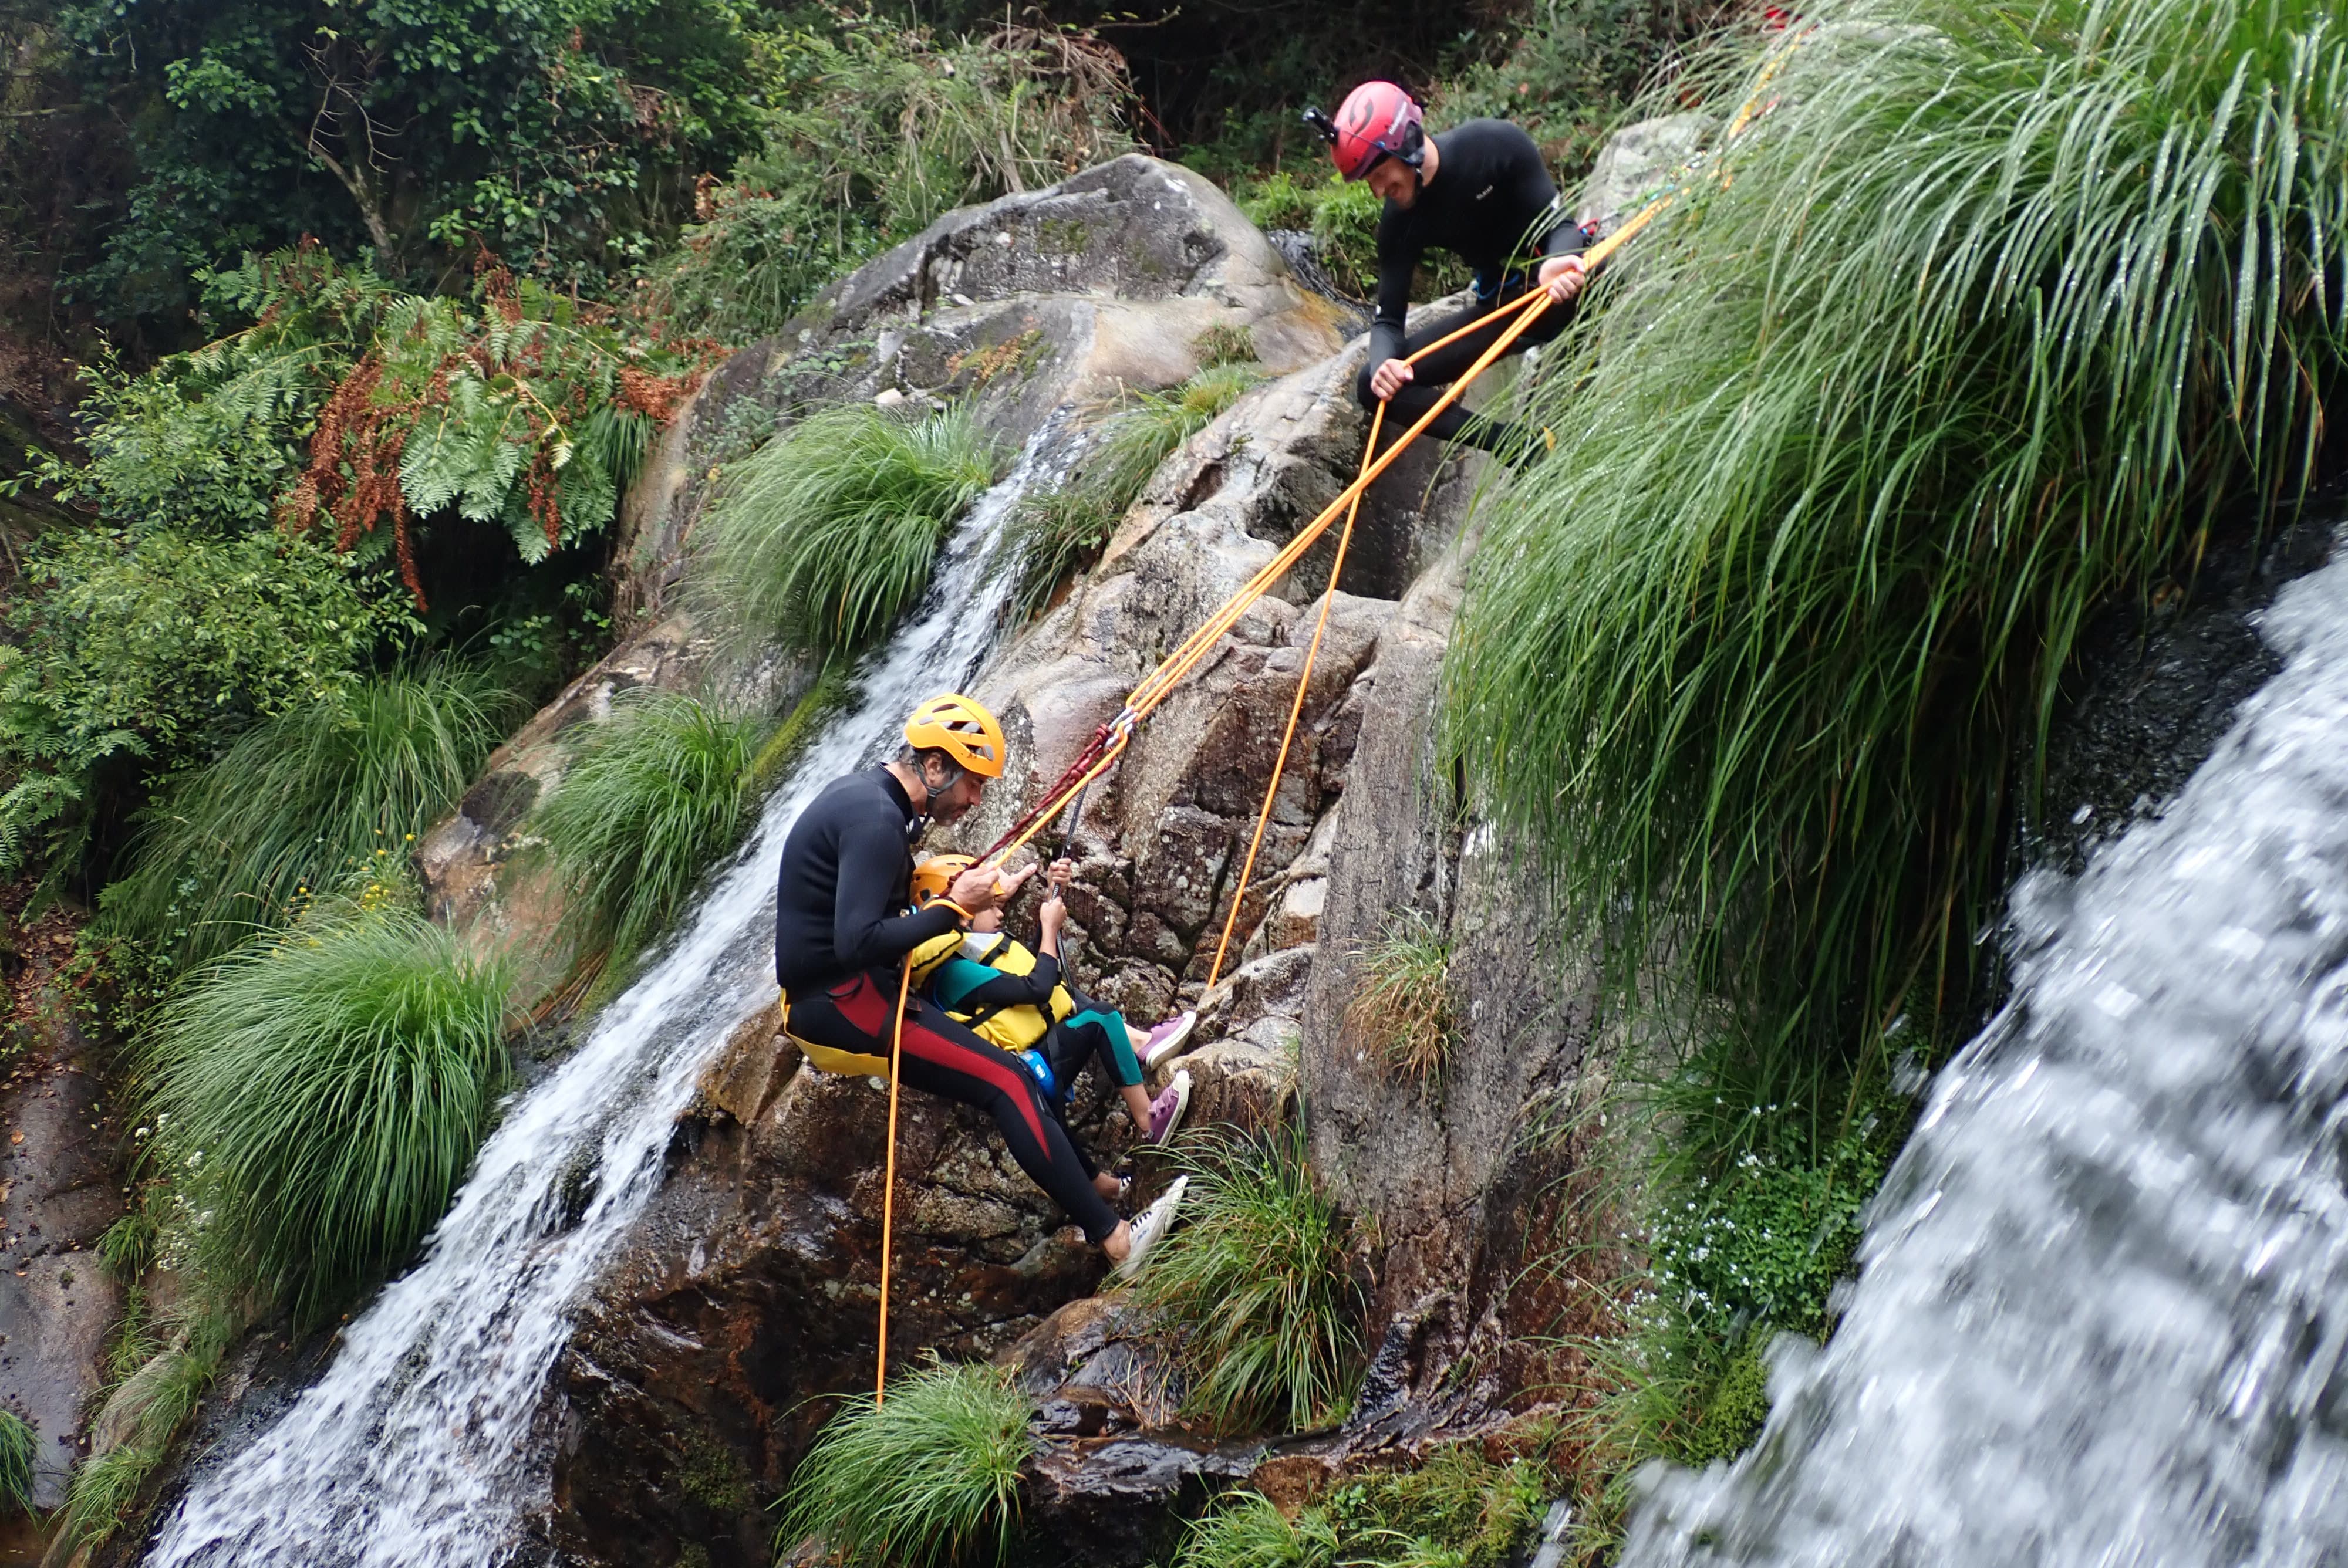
1033	989
866	932
1397	261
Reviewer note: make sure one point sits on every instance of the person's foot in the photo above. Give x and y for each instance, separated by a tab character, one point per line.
1150	1227
1165	1111
1110	1187
1166	1040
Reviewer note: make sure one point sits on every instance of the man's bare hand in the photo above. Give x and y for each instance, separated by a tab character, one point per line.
1563	276
984	887
1390	378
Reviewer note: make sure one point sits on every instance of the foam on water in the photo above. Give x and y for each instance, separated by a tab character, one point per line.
417	1448
2104	1295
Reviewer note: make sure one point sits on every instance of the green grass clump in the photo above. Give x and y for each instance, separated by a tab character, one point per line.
2002	306
328	1090
1058	529
1257	1282
1245	1530
297	805
1457	1507
931	1476
1402	1007
657	791
18	1446
157	1399
826	534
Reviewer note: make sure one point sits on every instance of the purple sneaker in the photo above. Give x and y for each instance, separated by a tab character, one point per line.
1165	1111
1166	1040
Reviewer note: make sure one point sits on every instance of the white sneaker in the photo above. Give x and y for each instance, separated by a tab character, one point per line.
1153	1223
1167	1040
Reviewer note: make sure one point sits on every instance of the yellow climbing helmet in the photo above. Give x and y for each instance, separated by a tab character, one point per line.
962	729
932	877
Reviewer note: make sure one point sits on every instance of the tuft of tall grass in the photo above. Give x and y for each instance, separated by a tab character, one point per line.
328	1090
1258	1286
929	1477
299	802
2003	309
1403	1009
656	791
1246	1530
1058	529
155	1402
18	1448
825	534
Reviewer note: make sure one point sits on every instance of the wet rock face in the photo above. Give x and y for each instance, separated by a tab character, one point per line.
57	1194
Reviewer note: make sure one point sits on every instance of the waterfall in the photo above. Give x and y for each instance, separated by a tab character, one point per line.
418	1447
2104	1295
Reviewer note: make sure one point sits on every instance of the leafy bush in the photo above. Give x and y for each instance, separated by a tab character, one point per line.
1342	216
1458	1509
328	1090
827	533
158	645
1258	1283
1970	343
931	1476
297	805
658	790
1059	529
18	1449
877	132
1402	1008
1571	71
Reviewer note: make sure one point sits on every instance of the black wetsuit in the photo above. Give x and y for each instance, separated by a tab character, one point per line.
1491	203
841	932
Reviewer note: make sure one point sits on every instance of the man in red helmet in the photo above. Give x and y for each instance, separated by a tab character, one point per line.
1480	191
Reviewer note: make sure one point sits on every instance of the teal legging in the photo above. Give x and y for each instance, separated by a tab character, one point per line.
1092	1031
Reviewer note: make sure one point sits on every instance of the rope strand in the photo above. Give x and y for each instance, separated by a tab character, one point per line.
888	1182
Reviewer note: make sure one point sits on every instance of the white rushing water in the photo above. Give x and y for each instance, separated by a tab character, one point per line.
2104	1295
415	1450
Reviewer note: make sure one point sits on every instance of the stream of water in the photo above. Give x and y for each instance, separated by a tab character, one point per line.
2103	1296
415	1449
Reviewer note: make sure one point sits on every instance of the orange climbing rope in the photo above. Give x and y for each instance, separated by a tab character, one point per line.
889	1181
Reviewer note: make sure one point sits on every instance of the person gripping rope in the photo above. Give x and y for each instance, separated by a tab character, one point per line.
1017	998
843	929
1481	191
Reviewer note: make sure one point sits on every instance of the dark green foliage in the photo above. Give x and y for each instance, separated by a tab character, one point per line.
782	749
929	1477
1058	529
1258	1283
1999	307
1570	71
128	1246
1733	1419
827	533
557	128
876	132
657	791
303	803
1243	1529
158	645
325	1092
1341	215
18	1449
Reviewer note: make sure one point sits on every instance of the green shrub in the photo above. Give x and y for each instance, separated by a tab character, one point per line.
1732	1416
300	805
931	1476
1243	1529
1402	1010
1257	1283
160	645
1972	342
827	533
1456	1507
1571	72
1057	529
1342	216
656	791
877	132
18	1449
328	1090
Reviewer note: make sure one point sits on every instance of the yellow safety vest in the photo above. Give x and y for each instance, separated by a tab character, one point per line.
1014	1029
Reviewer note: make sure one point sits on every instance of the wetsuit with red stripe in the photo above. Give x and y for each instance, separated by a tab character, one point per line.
841	931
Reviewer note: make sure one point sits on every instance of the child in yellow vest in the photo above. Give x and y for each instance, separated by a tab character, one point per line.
1014	998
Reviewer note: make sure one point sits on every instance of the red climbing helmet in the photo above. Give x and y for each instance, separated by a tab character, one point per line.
1377	120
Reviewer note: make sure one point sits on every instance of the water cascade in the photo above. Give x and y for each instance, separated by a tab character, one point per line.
418	1447
2104	1295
